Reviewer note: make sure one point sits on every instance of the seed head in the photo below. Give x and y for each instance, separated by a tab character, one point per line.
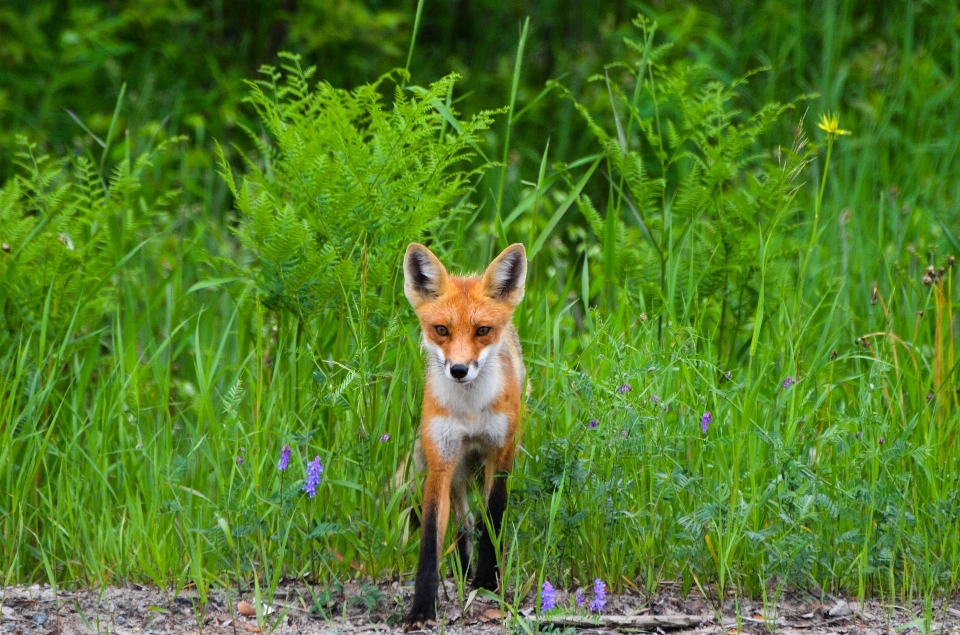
6	247
881	440
833	356
950	261
874	295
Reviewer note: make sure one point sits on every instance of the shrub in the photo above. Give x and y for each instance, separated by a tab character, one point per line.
344	183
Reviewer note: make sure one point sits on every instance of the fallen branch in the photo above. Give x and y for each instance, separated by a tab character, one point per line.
623	622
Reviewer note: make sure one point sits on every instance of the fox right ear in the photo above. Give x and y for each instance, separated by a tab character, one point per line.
424	276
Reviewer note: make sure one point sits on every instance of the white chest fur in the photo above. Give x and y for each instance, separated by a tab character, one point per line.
452	433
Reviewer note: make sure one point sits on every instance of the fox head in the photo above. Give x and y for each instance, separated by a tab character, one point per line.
463	319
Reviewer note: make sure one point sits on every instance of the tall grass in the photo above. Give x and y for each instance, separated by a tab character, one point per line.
144	445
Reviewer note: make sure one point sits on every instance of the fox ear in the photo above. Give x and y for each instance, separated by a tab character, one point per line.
424	276
504	278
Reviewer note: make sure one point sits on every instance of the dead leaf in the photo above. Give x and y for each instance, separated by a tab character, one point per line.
246	609
490	615
251	628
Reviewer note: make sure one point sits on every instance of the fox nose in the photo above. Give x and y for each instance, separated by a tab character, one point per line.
458	371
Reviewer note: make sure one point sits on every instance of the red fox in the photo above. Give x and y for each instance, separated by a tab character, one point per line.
471	407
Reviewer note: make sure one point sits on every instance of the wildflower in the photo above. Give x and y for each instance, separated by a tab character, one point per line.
239	460
548	597
705	421
599	596
594	423
284	458
654	399
579	598
789	381
881	440
830	123
625	388
314	470
385	438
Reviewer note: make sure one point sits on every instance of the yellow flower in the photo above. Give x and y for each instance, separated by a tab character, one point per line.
830	123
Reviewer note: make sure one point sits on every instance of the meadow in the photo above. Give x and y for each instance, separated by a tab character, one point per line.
739	320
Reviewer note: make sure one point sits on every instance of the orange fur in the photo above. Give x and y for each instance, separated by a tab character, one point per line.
472	401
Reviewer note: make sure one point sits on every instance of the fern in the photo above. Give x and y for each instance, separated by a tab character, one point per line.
343	184
63	231
692	187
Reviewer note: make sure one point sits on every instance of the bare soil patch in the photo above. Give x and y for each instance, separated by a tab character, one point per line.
297	608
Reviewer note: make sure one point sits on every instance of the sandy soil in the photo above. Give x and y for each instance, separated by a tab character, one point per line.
369	608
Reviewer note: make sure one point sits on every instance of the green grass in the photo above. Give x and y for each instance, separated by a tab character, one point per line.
122	434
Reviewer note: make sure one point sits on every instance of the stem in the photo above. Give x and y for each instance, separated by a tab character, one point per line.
816	222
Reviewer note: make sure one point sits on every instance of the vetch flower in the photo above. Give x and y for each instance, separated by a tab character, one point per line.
830	123
314	470
654	399
239	460
548	597
789	381
705	421
594	423
284	458
599	596
385	438
579	598
625	388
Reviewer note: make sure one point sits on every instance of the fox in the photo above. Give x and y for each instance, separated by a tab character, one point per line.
472	409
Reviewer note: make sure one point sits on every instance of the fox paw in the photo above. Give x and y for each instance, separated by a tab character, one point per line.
419	620
485	581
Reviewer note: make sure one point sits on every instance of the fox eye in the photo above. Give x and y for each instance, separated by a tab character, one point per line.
441	330
483	330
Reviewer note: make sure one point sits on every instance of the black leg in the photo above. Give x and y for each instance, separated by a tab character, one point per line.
487	567
424	608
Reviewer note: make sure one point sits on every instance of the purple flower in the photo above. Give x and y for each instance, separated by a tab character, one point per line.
579	597
594	423
789	381
654	399
314	470
284	458
599	596
625	388
548	598
239	460
705	421
385	438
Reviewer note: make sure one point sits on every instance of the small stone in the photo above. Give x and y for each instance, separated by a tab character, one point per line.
11	627
40	618
7	614
840	609
121	620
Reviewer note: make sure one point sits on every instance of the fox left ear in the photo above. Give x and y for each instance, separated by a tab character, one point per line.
504	278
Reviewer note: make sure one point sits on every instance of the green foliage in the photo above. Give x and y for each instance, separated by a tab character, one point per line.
345	185
141	443
692	192
65	231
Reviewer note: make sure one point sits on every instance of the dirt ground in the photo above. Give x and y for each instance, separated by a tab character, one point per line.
367	608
